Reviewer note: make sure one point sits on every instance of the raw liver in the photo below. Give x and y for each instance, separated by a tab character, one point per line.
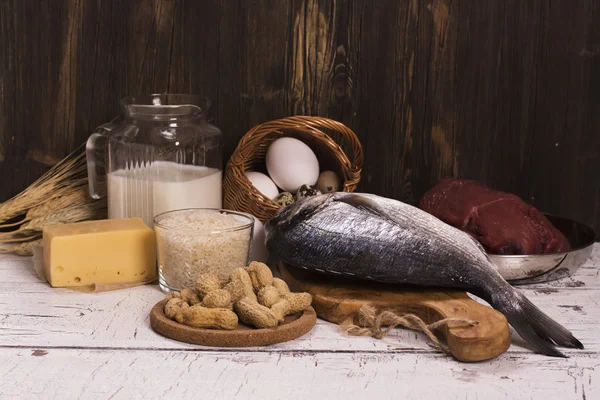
501	222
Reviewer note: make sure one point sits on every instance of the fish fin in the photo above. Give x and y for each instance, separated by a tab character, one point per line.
365	204
534	326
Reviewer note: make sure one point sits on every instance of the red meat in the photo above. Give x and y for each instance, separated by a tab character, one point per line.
501	222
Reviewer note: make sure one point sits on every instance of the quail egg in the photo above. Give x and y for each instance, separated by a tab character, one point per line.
307	191
284	199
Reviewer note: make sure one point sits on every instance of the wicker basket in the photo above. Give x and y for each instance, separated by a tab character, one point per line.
241	195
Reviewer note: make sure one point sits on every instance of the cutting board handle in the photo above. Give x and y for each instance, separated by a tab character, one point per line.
335	302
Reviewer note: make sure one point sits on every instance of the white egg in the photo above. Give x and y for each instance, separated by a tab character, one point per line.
263	184
291	164
259	250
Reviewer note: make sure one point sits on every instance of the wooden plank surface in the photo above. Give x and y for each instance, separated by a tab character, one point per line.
62	319
62	343
505	92
153	374
34	314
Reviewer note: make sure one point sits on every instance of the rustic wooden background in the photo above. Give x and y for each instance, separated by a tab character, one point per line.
507	92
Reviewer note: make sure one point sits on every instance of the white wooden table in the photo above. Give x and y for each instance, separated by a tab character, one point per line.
58	343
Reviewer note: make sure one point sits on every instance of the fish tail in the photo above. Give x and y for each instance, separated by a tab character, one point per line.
534	326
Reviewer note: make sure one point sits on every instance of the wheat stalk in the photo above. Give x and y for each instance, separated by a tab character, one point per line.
66	215
12	225
20	239
68	174
58	197
77	213
23	249
78	196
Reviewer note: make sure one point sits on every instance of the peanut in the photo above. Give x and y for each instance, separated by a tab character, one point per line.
206	283
281	309
240	285
236	290
173	306
252	313
298	301
211	318
281	286
268	296
190	297
260	274
219	298
173	295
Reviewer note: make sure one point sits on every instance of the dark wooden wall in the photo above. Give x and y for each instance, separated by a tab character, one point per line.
504	91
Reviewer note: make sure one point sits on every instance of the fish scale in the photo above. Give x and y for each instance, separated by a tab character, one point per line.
373	238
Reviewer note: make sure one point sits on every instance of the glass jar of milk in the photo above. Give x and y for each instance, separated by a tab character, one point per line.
164	155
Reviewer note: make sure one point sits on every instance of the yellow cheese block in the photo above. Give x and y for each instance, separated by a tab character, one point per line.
93	252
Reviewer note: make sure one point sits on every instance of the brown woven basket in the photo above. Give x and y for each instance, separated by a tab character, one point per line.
241	195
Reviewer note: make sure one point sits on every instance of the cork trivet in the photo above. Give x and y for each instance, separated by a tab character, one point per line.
292	327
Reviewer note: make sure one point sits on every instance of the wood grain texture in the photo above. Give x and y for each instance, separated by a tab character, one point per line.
506	92
154	374
62	343
337	302
57	317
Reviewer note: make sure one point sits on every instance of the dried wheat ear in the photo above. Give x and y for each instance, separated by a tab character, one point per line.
60	196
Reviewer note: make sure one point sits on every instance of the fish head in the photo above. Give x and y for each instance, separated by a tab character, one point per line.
296	212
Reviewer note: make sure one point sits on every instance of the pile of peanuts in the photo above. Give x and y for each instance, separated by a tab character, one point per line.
251	295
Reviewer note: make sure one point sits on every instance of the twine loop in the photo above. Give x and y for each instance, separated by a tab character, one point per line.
379	325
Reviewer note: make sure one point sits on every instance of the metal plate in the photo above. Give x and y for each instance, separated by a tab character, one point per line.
536	268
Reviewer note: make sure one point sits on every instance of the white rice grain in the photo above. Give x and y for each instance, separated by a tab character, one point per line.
194	242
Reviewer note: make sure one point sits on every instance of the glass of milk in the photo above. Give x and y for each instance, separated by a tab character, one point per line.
163	155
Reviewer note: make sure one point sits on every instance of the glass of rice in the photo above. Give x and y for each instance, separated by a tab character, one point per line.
194	241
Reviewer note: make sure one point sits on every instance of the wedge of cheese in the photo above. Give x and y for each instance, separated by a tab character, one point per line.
99	252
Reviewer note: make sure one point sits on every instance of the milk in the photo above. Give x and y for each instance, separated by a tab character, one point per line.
163	186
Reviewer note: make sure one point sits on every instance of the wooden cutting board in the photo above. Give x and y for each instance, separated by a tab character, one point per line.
335	300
